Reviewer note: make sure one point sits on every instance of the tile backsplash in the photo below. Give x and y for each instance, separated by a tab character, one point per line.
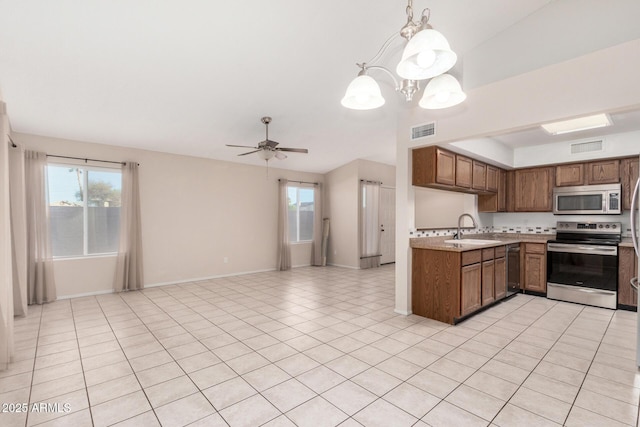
484	230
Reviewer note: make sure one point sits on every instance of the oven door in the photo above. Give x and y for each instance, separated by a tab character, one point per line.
583	265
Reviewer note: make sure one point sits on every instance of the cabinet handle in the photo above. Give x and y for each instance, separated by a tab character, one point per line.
634	283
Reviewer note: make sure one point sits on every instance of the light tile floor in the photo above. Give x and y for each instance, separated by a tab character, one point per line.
316	347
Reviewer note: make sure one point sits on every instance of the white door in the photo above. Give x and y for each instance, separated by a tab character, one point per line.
387	225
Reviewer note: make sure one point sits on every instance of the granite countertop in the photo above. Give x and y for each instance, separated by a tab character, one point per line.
626	242
437	243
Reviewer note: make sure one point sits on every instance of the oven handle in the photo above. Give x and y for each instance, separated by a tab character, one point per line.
580	249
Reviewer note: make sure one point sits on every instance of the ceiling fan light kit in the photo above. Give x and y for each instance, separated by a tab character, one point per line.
427	55
268	148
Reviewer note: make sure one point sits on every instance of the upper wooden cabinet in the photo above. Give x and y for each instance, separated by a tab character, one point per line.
479	176
533	189
629	169
604	172
571	174
495	202
492	178
464	169
438	168
432	165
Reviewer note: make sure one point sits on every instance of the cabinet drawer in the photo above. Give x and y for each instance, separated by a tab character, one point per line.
488	254
534	248
471	257
500	251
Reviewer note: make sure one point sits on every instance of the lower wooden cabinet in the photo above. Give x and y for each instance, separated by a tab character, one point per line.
446	285
627	268
500	266
534	273
470	289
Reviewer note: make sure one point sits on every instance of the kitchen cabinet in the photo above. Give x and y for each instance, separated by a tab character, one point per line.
571	174
470	288
495	202
603	172
438	168
464	170
492	179
627	268
479	181
533	189
488	276
534	268
433	166
629	169
448	285
500	279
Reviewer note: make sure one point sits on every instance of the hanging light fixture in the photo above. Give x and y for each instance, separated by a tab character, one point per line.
426	55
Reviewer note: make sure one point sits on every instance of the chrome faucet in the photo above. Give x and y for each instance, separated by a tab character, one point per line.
458	235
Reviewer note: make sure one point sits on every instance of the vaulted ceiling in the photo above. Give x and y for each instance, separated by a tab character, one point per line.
190	76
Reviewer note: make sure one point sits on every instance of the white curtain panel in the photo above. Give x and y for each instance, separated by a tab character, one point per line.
316	246
41	286
6	281
129	268
284	246
369	224
18	229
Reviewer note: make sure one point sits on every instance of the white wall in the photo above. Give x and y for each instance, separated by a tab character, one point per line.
614	145
195	212
441	209
343	189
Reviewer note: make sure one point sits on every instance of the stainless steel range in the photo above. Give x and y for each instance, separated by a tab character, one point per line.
582	263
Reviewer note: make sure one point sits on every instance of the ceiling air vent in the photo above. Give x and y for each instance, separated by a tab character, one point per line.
423	131
586	147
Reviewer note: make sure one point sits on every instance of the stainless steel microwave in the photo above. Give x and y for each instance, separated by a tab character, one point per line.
587	199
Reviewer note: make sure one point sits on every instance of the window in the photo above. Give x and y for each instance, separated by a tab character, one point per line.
300	213
84	209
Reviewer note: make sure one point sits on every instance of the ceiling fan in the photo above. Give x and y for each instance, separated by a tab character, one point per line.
269	148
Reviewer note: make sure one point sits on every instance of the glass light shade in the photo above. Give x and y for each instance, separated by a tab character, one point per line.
267	154
363	93
426	55
442	92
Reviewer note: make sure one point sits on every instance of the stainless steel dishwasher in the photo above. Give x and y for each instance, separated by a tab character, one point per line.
513	268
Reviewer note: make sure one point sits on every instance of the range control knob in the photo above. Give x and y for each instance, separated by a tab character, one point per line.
614	226
607	226
600	226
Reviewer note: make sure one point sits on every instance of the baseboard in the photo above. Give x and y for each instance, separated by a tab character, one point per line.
403	312
86	294
201	279
344	266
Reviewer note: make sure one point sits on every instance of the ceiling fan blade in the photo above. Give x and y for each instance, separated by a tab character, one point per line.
294	150
243	146
250	152
270	143
280	156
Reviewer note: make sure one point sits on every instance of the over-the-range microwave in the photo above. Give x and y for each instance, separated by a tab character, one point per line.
587	199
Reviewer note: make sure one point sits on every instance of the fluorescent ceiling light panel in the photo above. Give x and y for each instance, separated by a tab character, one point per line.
576	125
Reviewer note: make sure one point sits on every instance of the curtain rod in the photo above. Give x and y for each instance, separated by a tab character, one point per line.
13	144
300	182
371	182
88	160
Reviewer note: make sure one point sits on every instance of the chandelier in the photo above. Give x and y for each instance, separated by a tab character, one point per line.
427	55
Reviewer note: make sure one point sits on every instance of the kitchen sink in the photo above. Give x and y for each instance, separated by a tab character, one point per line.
472	242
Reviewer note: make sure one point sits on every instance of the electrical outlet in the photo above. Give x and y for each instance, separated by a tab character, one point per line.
225	260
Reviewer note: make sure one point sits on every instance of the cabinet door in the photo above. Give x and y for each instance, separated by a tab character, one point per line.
604	172
500	278
533	189
502	191
627	268
492	178
479	176
535	272
567	175
488	282
629	176
470	283
464	167
445	167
